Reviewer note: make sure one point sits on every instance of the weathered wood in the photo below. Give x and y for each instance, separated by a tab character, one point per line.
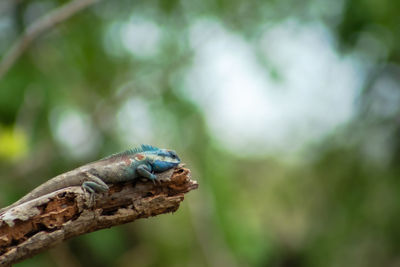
37	225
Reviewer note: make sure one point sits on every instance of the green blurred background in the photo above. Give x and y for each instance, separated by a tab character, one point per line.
287	113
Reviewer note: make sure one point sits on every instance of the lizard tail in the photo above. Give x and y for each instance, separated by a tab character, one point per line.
18	202
56	183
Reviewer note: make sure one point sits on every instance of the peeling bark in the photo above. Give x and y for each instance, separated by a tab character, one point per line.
40	224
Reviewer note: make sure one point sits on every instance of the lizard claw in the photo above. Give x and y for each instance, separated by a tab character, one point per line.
88	190
156	181
153	178
91	200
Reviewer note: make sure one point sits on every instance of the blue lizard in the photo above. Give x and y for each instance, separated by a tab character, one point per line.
120	167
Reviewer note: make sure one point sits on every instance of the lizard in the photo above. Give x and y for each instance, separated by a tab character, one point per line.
126	166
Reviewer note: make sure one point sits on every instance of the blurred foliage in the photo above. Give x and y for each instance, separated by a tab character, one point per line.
62	105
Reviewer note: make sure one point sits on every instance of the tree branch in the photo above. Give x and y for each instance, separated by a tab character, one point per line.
37	225
38	27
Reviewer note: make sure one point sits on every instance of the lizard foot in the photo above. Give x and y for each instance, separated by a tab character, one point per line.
155	179
91	198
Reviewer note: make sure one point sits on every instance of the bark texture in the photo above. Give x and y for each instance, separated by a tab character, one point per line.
40	224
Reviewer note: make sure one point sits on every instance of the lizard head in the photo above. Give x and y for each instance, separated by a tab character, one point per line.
163	159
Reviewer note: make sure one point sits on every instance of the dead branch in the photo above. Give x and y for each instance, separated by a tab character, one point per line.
38	27
37	225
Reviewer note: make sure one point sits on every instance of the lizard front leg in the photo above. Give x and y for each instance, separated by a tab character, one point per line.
145	171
